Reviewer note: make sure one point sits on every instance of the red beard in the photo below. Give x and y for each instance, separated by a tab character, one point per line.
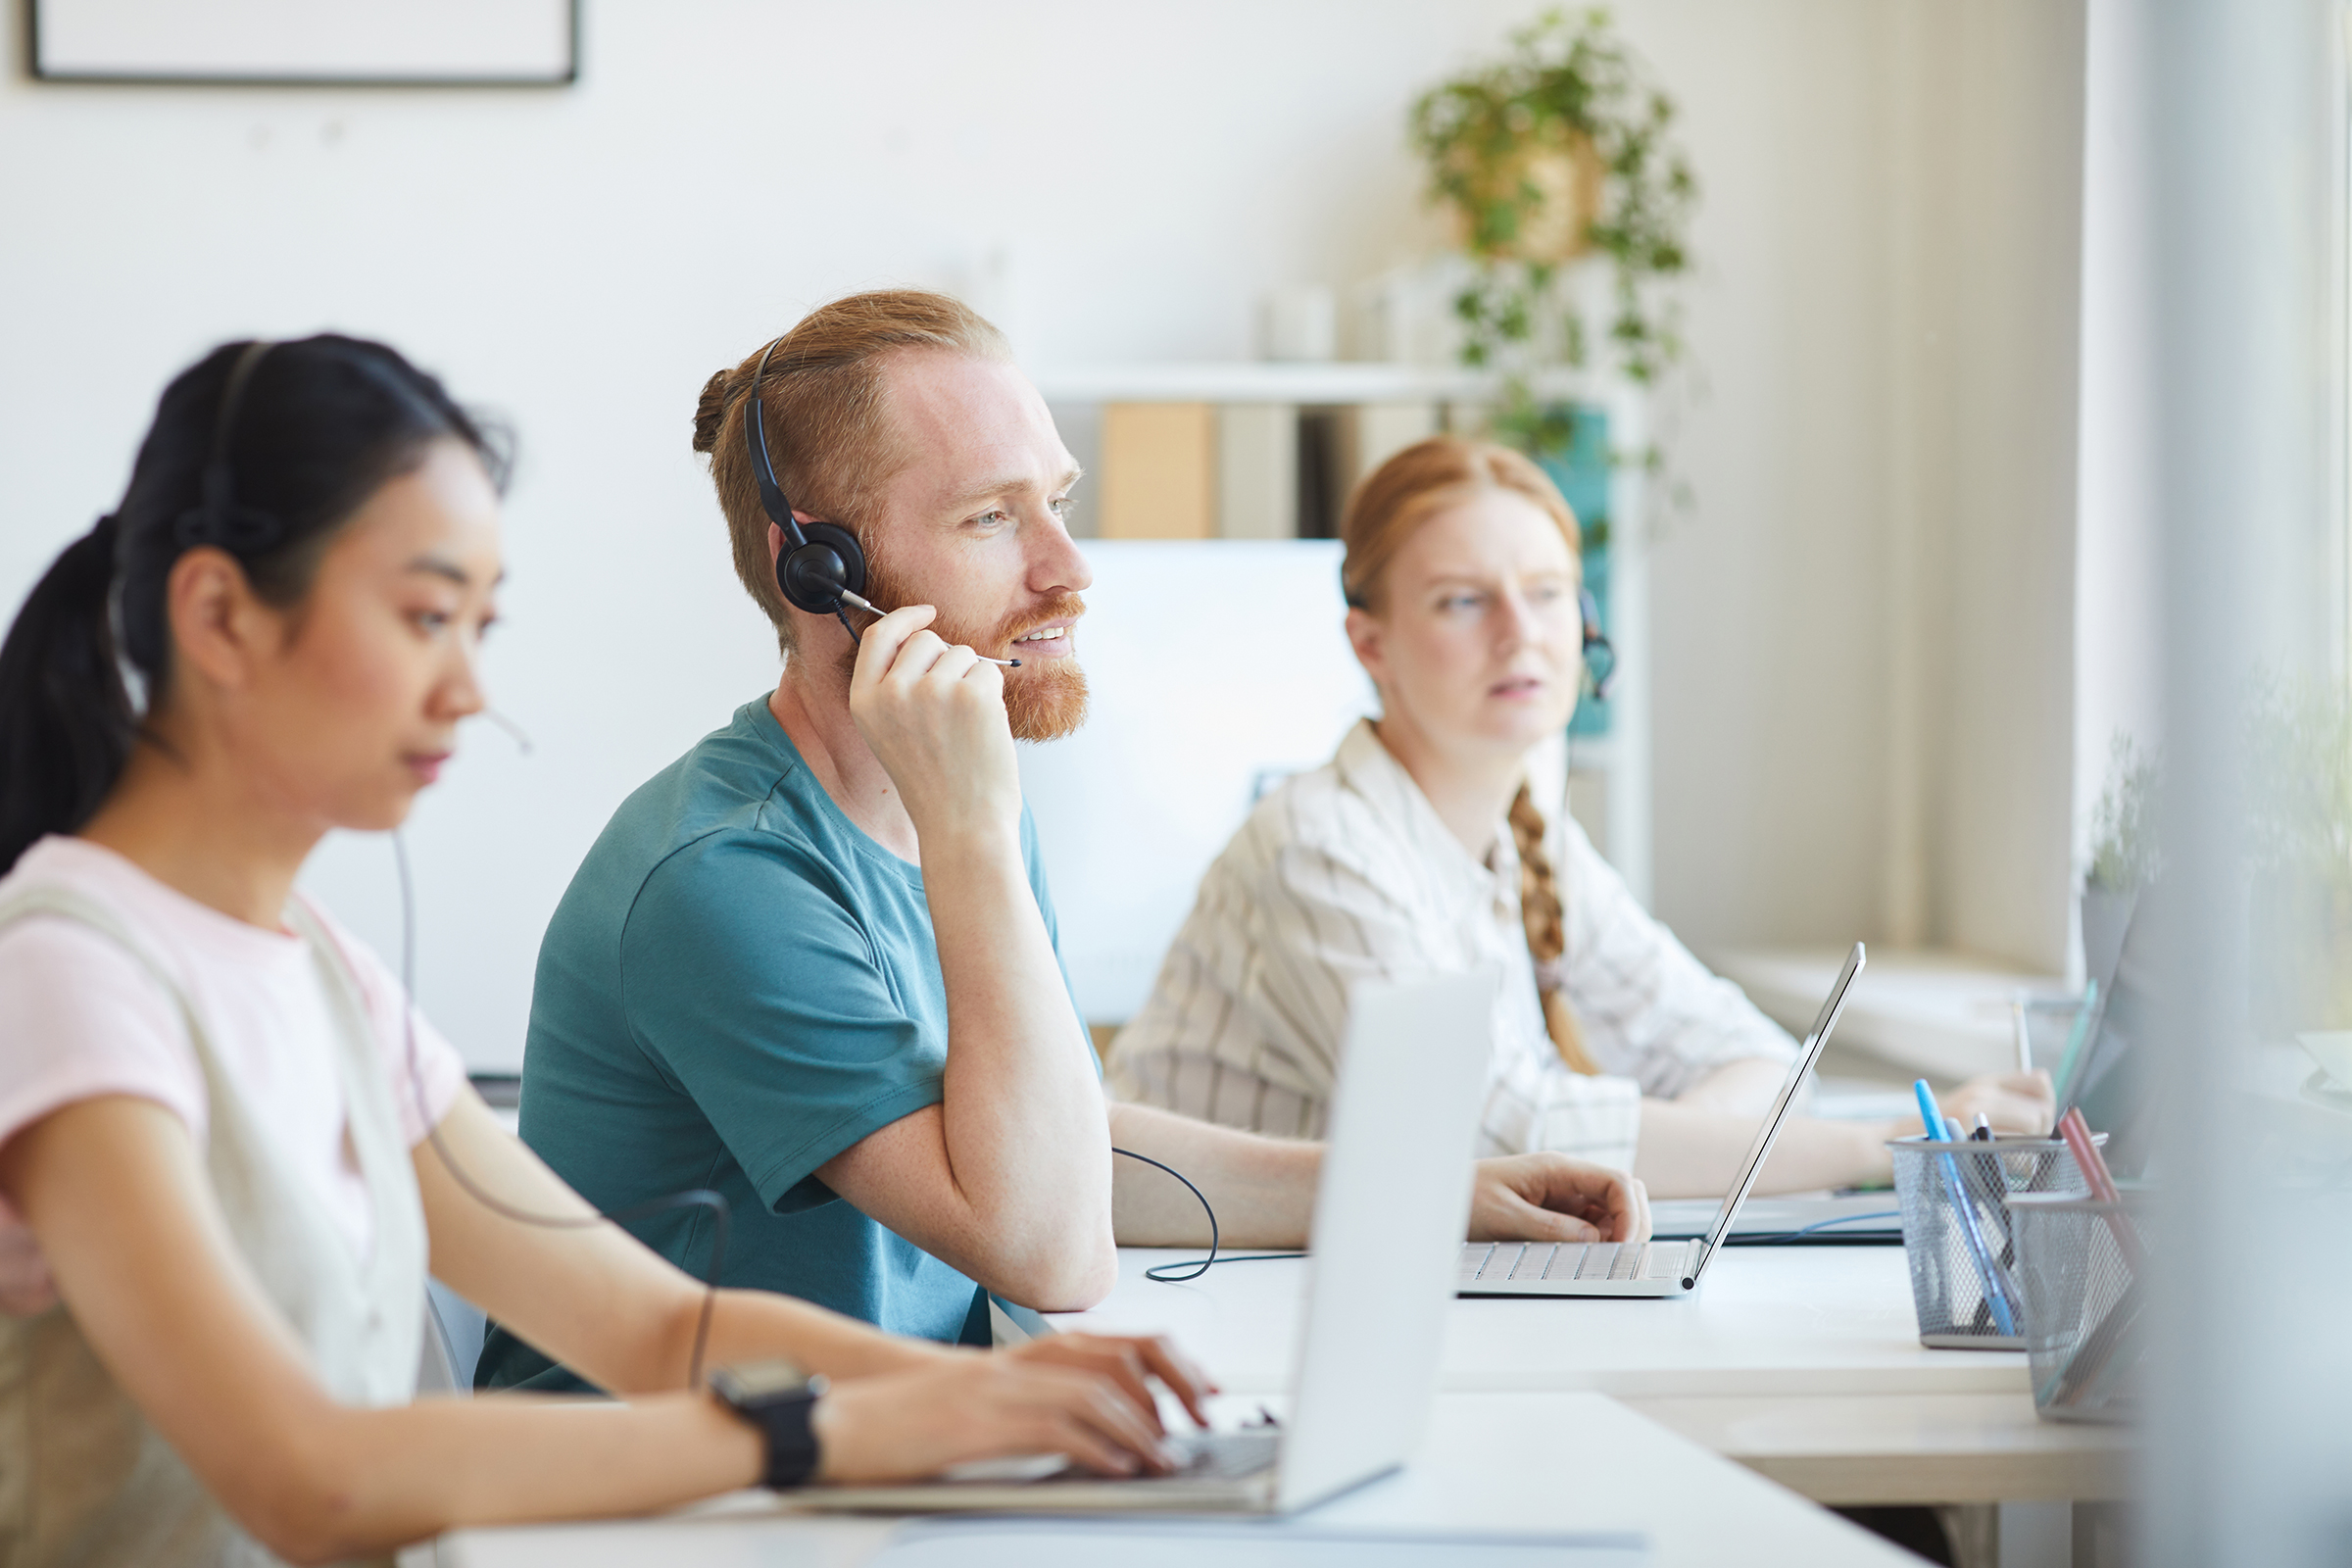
1043	702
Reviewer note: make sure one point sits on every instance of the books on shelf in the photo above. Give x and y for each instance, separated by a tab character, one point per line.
1244	470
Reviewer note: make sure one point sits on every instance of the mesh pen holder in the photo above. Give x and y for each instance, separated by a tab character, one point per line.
1956	1236
2085	1332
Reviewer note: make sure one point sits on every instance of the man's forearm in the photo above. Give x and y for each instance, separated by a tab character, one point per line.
1263	1189
1022	1114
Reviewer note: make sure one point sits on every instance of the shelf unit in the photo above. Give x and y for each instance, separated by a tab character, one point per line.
1333	383
1609	787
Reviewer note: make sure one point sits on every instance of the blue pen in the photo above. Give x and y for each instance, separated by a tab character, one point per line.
1997	1293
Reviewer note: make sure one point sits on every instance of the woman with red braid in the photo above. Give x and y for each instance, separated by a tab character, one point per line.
1421	847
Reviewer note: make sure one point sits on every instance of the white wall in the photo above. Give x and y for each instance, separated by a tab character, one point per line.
1115	182
1986	332
1864	638
1766	626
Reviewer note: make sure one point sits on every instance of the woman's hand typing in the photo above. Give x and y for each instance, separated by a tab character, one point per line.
1085	1396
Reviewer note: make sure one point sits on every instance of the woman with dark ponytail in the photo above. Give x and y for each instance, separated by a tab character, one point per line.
227	1142
65	720
1422	846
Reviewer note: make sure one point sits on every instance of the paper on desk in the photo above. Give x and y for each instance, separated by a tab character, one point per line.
1179	1544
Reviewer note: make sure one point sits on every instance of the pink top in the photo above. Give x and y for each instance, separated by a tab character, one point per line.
83	1019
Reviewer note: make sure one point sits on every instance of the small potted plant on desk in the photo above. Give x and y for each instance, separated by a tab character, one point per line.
1554	159
2123	854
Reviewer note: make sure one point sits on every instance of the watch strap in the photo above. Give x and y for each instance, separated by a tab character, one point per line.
785	1418
788	1422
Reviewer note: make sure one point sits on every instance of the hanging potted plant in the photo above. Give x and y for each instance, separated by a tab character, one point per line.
1556	157
1559	153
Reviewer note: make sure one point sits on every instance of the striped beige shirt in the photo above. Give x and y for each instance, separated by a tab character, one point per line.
1347	872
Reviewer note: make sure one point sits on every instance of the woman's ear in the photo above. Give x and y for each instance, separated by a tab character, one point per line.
218	628
1368	637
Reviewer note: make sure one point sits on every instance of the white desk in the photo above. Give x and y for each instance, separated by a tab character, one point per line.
1492	1462
1803	1363
1765	1320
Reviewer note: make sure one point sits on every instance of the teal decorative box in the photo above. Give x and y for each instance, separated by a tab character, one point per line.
1581	470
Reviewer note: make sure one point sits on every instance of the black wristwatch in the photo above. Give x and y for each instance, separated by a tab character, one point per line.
779	1399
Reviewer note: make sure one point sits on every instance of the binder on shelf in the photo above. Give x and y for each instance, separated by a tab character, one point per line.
1371	433
1258	471
1159	470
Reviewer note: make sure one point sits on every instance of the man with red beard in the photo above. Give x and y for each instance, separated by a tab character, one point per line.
813	966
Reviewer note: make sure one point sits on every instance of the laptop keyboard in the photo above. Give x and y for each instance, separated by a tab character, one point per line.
1495	1262
1222	1455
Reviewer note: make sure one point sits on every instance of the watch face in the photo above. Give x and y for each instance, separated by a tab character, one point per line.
755	1381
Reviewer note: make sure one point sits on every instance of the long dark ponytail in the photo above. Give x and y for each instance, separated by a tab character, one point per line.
261	450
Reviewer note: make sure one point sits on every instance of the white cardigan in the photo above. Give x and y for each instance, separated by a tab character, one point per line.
1347	872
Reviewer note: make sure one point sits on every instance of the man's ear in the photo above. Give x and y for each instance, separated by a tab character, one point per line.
775	537
219	628
1366	635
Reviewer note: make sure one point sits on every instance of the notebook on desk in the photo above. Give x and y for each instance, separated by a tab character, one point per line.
1660	1266
1827	1219
1389	1210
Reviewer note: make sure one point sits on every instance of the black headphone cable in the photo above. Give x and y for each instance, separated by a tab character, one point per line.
691	1197
1171	1273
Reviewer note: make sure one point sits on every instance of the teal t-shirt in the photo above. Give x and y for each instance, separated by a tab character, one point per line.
737	986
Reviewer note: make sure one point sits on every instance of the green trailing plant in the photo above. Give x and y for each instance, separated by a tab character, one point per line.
2123	825
1561	148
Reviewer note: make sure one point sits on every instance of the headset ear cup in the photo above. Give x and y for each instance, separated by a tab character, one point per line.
844	545
811	577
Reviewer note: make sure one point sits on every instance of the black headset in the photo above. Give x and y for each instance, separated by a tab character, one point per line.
819	561
218	519
1601	655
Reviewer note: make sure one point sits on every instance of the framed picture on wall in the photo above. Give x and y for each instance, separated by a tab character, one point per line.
454	43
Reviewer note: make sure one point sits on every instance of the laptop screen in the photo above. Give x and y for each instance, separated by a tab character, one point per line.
2112	1082
1823	1022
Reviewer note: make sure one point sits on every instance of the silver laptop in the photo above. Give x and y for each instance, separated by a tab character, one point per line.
1389	1210
1646	1268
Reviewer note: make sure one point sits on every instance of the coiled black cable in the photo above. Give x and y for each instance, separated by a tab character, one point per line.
1166	1273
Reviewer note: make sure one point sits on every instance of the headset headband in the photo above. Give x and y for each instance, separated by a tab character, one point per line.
754	440
217	519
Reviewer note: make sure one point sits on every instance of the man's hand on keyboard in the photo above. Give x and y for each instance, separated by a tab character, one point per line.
1551	1198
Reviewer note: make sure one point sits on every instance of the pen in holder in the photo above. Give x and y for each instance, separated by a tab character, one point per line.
2077	1271
1956	1232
